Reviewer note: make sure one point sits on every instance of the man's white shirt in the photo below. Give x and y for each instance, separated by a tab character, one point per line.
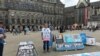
46	34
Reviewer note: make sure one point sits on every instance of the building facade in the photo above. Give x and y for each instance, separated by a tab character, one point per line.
82	9
83	13
31	12
78	13
94	14
70	15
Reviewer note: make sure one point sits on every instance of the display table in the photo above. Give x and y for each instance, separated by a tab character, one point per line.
26	49
69	42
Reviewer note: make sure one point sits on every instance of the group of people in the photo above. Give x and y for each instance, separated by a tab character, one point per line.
75	27
17	30
93	28
46	35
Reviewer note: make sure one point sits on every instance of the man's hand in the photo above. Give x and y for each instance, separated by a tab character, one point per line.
2	36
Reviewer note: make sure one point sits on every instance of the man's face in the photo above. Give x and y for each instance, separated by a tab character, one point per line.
46	25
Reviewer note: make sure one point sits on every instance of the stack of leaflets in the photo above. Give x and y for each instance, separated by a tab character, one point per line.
59	43
26	49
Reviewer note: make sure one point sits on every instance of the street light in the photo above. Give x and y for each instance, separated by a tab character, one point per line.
12	15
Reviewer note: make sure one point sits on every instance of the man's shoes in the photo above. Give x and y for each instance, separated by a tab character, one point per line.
44	51
5	43
48	51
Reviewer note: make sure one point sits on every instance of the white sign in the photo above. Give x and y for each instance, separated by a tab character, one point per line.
91	41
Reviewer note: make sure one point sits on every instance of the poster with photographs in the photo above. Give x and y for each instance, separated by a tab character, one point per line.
26	49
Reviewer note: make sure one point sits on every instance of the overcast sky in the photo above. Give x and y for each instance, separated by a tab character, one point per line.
73	2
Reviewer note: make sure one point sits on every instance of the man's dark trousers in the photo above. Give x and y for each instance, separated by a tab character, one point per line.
1	49
46	45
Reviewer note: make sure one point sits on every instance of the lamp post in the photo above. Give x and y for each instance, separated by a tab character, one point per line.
11	21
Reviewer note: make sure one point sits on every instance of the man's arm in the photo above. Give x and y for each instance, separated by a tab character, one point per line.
42	34
4	35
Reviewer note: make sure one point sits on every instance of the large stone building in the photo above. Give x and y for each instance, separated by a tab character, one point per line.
70	15
83	13
94	14
31	12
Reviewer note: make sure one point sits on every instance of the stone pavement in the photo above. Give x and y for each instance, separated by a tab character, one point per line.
13	41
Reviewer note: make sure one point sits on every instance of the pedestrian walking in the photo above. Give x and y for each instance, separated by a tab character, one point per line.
14	31
46	32
2	37
26	30
61	29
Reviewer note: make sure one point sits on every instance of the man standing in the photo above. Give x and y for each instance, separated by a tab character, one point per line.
61	29
46	37
2	37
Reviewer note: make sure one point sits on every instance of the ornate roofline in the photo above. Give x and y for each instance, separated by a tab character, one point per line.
85	2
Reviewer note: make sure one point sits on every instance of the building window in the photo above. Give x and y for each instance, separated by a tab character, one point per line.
22	0
36	21
18	21
40	22
28	21
13	21
6	21
32	21
23	21
95	12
